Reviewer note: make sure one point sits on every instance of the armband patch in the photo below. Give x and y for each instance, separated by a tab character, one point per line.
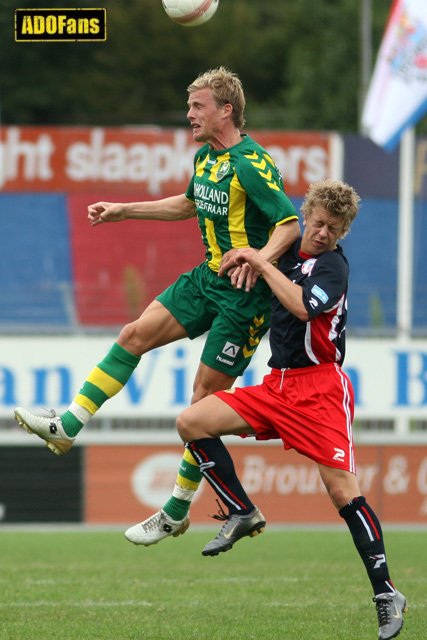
319	293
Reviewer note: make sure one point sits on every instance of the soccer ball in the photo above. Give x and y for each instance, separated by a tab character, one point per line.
190	13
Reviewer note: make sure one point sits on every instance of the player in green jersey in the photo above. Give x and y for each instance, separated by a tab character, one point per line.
237	194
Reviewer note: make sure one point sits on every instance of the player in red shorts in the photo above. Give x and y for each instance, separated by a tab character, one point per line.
307	399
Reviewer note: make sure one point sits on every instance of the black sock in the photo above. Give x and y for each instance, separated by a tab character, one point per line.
217	467
368	538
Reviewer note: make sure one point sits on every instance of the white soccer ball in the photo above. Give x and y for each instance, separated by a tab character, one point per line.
190	13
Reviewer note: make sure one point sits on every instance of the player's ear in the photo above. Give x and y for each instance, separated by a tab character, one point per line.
228	108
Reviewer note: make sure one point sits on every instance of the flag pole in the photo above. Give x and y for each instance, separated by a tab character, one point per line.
365	31
405	234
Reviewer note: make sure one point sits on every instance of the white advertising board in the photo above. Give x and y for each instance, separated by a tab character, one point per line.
389	377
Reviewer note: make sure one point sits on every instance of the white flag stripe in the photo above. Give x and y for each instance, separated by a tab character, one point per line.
397	96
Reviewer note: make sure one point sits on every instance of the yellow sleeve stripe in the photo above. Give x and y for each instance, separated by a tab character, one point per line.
267	175
110	386
260	165
286	220
269	158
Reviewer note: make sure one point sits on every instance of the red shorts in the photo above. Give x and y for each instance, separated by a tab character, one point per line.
310	409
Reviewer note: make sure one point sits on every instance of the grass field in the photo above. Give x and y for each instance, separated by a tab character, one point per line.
283	585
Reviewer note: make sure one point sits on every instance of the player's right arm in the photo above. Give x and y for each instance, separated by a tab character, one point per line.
173	208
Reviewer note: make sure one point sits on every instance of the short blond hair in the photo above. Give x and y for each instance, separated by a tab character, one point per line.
337	198
226	88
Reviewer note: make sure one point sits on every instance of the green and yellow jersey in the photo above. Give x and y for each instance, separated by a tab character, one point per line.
239	196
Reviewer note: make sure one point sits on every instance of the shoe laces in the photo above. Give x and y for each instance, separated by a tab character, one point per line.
51	412
221	515
152	523
383	610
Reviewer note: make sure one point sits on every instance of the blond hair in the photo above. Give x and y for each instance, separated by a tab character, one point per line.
337	198
226	88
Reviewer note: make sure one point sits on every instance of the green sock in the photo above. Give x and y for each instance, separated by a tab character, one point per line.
103	382
186	485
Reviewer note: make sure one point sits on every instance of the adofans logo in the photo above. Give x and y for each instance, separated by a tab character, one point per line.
60	25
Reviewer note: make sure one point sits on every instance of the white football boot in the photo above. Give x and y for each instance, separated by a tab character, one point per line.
50	429
155	528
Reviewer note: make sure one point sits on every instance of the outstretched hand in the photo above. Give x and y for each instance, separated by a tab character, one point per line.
105	212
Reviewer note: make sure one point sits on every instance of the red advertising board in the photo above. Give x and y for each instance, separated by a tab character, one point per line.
126	484
118	269
151	161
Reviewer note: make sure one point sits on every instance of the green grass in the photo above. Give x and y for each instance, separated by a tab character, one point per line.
283	585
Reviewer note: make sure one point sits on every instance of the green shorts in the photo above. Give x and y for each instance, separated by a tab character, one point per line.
236	320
